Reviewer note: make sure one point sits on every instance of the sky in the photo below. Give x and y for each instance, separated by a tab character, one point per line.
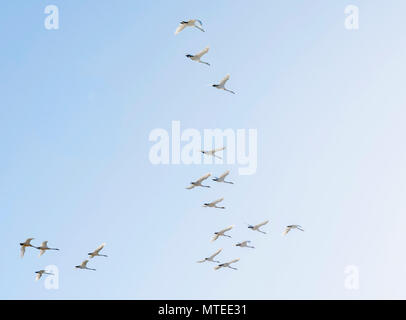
78	105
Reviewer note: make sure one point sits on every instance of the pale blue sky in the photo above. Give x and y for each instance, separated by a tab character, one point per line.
78	104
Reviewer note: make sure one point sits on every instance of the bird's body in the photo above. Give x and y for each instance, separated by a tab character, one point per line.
221	85
96	253
214	203
26	244
40	273
212	153
226	265
198	182
221	178
44	247
293	226
221	233
258	226
198	56
83	266
211	258
190	23
244	244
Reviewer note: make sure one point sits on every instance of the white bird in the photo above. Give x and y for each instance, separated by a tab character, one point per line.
198	56
244	244
26	244
213	152
256	227
83	265
221	233
221	178
226	265
44	247
198	182
213	204
293	226
221	85
40	273
96	253
211	258
190	23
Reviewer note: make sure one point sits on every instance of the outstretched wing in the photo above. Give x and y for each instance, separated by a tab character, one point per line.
219	149
84	263
190	187
44	244
41	252
99	248
203	178
180	28
217	267
39	275
226	229
201	261
286	231
225	79
216	236
202	53
225	174
234	261
215	254
22	251
217	201
261	224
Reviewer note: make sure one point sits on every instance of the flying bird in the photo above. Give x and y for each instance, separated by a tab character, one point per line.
213	204
221	178
293	226
191	23
83	265
198	182
211	258
96	253
198	56
256	227
44	247
221	85
221	233
26	244
226	265
244	244
40	273
213	152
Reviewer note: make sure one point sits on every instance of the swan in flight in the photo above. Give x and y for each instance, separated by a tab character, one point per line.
190	23
221	233
211	258
244	244
96	253
26	244
44	247
198	56
226	265
83	265
221	178
213	204
221	85
213	152
198	182
40	273
256	227
293	226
